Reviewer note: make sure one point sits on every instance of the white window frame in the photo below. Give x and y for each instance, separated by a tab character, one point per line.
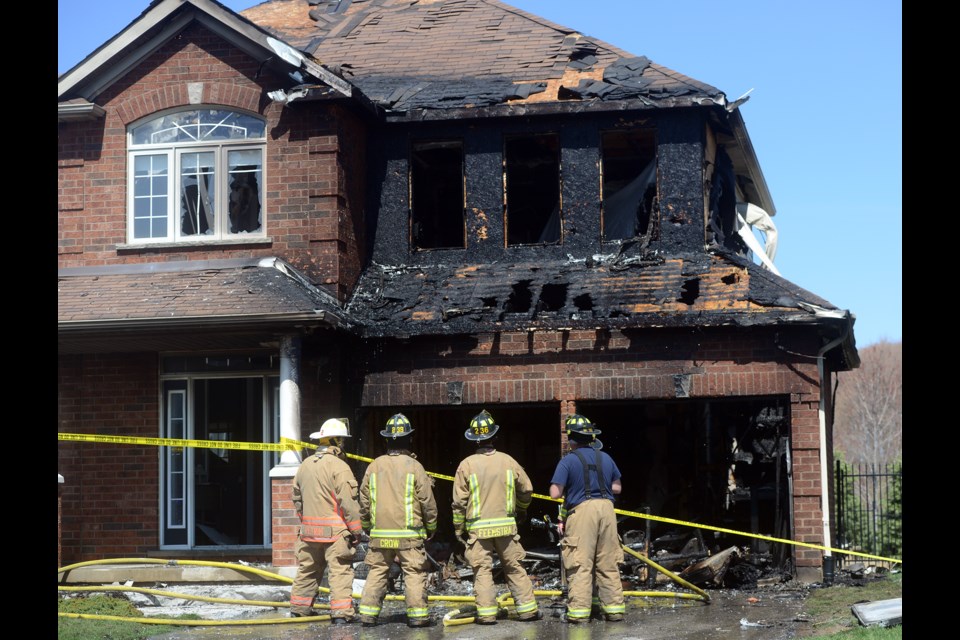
219	195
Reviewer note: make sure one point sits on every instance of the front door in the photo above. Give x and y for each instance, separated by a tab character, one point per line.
218	497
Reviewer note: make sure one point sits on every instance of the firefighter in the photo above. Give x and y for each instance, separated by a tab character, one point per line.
491	494
399	512
588	479
325	497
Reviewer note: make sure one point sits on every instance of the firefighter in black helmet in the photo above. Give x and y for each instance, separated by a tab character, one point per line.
398	509
491	494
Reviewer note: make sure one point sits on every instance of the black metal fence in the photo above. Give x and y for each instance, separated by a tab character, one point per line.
869	512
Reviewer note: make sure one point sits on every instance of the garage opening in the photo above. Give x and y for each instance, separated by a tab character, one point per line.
723	463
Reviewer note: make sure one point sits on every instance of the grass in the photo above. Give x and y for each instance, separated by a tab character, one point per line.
105	605
831	616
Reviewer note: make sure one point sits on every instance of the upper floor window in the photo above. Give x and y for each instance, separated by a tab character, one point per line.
628	182
437	195
531	175
196	175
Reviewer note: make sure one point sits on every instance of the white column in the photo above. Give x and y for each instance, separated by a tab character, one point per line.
290	396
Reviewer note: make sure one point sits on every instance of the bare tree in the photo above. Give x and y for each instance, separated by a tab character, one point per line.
868	418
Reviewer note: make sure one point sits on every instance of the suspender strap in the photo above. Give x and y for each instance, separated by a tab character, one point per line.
596	468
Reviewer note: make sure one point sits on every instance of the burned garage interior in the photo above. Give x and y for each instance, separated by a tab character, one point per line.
436	224
722	462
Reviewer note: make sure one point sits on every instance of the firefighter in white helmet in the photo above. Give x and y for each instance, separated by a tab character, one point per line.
588	479
399	511
325	498
491	494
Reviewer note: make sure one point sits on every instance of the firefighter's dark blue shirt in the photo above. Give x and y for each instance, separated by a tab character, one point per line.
569	475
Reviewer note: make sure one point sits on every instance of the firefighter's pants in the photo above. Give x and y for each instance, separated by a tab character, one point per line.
312	558
590	550
413	563
480	554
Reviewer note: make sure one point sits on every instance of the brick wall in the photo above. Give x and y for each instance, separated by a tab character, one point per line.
285	523
109	504
312	206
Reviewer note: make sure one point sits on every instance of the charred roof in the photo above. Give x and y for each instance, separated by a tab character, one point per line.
409	55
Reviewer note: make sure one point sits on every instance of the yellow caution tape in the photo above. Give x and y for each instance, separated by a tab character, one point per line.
296	445
179	442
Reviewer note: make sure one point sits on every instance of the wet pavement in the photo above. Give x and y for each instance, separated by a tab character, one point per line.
758	614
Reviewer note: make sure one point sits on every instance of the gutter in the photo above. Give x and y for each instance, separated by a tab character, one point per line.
248	321
78	111
824	463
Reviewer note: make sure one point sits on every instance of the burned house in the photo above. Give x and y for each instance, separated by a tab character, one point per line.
323	208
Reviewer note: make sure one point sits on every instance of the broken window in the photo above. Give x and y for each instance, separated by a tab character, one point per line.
531	175
436	195
196	175
628	183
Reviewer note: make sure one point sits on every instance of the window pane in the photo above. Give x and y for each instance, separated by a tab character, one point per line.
436	194
245	169
629	183
150	196
197	194
199	126
532	165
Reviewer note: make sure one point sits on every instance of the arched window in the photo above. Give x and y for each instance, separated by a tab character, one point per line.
196	176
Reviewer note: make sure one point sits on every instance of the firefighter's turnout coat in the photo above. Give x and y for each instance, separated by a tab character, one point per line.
399	510
491	491
325	498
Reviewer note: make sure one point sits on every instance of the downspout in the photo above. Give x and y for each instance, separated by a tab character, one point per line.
828	565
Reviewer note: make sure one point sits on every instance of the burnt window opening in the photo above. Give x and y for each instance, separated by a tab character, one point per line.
552	297
488	303
520	298
729	279
584	302
690	291
437	195
531	176
628	183
722	220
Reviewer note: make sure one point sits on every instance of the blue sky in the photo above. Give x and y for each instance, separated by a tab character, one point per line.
824	116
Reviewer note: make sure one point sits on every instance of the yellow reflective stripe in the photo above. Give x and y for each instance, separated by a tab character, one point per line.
490	522
417	612
511	491
458	518
527	607
408	501
373	499
396	533
475	495
614	608
486	612
367	610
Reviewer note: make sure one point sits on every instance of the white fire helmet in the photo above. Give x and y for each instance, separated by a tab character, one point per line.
333	428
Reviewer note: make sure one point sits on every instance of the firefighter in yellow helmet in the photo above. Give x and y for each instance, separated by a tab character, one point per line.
491	493
588	479
398	509
325	498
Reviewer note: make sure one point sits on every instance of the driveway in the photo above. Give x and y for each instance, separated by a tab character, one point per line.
774	613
